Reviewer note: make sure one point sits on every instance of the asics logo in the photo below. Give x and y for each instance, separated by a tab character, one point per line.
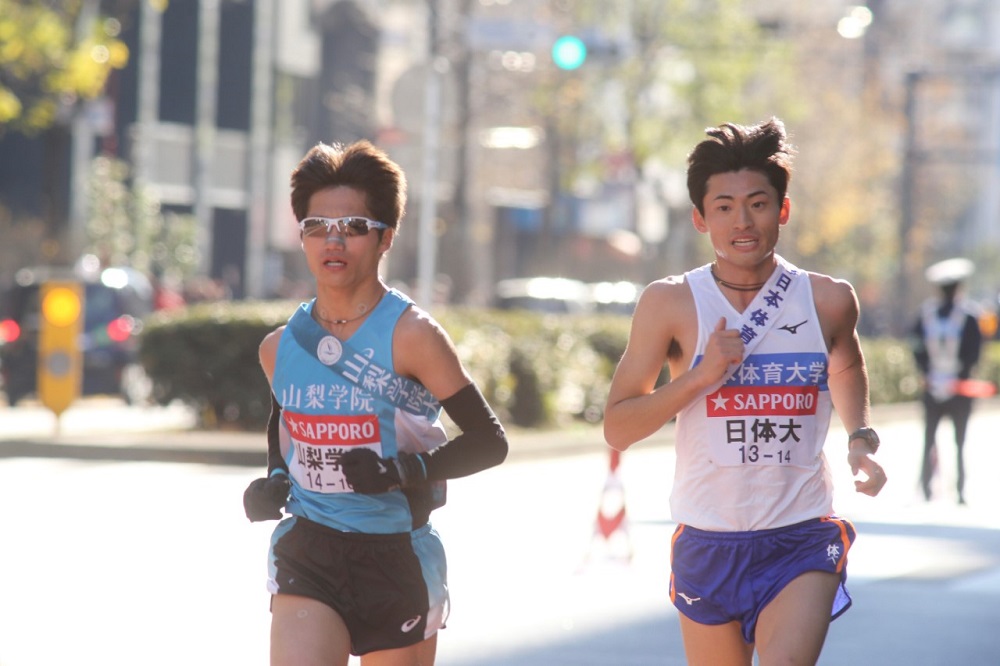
408	626
792	328
690	600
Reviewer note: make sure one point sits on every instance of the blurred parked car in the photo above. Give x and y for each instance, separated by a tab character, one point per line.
116	301
544	294
568	296
616	297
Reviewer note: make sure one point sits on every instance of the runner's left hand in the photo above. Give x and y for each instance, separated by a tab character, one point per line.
860	460
370	474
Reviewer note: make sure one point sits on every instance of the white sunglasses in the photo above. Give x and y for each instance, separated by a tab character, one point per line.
316	227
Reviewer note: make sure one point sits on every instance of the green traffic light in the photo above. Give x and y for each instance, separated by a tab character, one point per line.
569	52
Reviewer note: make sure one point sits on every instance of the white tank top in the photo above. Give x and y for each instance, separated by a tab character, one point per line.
750	449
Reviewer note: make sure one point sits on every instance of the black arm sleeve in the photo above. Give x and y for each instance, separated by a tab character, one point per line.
970	347
481	445
274	459
920	355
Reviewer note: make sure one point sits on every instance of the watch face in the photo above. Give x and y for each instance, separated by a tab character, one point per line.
867	434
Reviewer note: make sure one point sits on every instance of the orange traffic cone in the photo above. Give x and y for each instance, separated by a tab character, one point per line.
611	539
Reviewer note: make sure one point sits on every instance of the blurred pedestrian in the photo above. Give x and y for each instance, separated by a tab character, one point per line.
358	455
165	295
946	344
759	353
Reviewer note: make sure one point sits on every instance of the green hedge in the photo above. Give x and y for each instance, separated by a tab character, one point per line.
536	370
206	356
892	374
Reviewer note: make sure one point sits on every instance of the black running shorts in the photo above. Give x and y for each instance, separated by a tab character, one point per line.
373	581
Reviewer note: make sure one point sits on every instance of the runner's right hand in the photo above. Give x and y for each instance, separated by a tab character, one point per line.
264	498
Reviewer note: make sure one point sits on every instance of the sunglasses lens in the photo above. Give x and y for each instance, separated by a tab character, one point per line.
313	227
356	226
341	226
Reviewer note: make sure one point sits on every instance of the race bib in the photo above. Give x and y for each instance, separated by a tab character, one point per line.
767	413
318	441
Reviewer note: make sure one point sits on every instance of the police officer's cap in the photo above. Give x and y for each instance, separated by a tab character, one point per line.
949	271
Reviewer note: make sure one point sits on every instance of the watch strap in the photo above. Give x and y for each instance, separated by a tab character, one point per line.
866	433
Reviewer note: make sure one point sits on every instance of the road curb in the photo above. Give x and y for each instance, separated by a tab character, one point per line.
248	449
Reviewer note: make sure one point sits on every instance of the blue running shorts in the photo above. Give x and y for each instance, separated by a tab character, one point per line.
718	577
430	551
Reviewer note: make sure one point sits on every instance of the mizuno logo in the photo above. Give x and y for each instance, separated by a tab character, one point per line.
410	624
690	601
792	328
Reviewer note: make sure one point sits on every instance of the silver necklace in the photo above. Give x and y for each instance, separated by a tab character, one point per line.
363	310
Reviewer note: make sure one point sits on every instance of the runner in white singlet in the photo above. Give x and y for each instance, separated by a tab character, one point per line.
760	353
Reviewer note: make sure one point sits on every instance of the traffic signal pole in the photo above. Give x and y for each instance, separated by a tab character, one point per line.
427	239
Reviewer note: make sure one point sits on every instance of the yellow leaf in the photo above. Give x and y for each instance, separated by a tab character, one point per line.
10	106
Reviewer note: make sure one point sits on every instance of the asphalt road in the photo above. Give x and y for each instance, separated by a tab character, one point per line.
130	560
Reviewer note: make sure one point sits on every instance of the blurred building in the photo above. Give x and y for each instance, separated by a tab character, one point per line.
218	102
222	97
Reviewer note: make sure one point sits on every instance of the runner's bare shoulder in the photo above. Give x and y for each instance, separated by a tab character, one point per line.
666	317
833	296
671	292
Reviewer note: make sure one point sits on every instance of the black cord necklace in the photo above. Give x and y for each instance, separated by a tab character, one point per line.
363	309
734	286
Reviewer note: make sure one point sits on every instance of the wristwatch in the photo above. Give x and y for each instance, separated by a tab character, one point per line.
868	434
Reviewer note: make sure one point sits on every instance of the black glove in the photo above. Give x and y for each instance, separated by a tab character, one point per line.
264	498
369	474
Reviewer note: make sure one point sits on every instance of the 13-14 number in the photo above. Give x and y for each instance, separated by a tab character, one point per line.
752	454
